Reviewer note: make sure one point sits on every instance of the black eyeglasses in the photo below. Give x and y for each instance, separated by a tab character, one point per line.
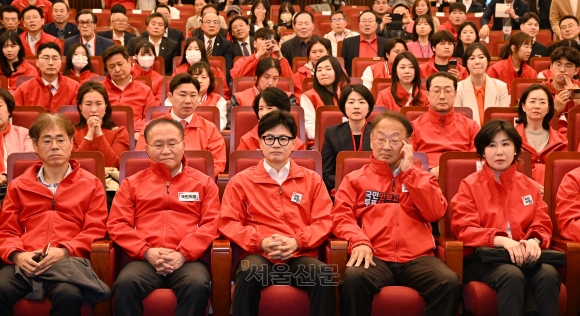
282	140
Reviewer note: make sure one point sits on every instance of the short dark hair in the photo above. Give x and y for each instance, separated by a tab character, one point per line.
440	37
9	100
90	86
528	16
146	45
207	6
566	17
571	54
396	116
182	78
522	118
62	2
266	64
471	49
390	44
301	13
114	50
369	11
157	15
6	68
85	11
162	6
197	69
564	43
276	118
488	131
443	74
162	121
273	97
429	21
47	45
9	9
238	17
263	32
338	12
360	89
47	120
68	66
30	8
457	6
118	8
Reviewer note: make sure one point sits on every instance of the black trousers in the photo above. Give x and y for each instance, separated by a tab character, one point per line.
255	272
520	291
190	283
428	275
65	298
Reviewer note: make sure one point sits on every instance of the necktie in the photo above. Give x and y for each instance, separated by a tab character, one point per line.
183	123
50	87
245	49
88	46
304	48
209	48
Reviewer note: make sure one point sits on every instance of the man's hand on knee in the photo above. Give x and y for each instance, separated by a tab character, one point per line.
24	261
54	255
360	253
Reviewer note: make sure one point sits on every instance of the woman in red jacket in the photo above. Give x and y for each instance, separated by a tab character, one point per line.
207	97
78	63
328	79
406	86
535	112
317	49
96	130
500	207
514	57
12	62
143	66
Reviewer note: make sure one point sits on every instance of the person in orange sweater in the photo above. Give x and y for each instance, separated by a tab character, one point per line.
513	65
96	130
406	86
78	63
564	66
12	62
143	66
200	134
121	87
269	100
500	207
329	78
443	44
383	211
441	129
286	230
49	89
393	47
568	206
33	20
317	49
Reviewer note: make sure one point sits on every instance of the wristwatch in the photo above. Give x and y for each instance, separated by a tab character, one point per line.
536	239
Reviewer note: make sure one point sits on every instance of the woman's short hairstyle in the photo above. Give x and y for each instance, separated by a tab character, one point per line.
273	97
360	89
487	133
46	121
266	64
471	49
276	118
146	46
93	86
522	117
198	68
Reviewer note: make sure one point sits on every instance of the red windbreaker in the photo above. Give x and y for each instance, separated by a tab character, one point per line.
447	26
246	67
156	80
568	209
301	74
392	215
45	5
428	68
85	75
34	92
111	144
504	71
387	100
24	69
44	38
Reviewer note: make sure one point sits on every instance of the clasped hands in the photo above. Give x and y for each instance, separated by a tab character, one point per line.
279	247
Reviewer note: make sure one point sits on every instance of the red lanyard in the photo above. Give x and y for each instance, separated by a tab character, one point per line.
360	145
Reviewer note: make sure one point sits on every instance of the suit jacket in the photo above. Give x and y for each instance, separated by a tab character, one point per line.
336	139
172	33
238	48
19	31
291	48
223	47
350	50
558	10
496	95
109	35
475	7
70	30
101	44
167	49
521	7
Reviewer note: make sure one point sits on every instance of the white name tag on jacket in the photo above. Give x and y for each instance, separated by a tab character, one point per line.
404	189
188	196
527	200
296	197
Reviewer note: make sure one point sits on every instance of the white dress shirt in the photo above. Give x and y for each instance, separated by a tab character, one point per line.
281	176
54	85
178	119
92	43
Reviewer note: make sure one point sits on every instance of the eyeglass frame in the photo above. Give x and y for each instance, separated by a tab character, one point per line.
276	138
170	146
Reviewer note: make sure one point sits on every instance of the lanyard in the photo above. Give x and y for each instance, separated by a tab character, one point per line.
428	50
387	68
360	145
256	92
203	99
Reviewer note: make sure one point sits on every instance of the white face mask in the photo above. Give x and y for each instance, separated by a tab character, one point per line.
145	61
193	56
286	17
80	61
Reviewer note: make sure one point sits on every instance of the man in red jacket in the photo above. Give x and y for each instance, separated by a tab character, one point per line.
53	202
457	15
279	213
442	129
33	20
49	89
564	66
443	44
165	218
384	211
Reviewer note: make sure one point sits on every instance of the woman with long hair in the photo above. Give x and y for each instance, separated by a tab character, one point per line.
422	32
78	63
207	95
406	85
467	34
422	7
12	63
284	19
260	15
514	60
392	47
317	48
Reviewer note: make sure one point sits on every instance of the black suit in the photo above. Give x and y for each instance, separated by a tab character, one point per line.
238	49
172	33
336	139
101	44
521	7
70	30
222	47
350	50
475	7
291	48
109	34
19	31
167	49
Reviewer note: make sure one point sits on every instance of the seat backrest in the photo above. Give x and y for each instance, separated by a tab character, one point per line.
509	114
456	166
24	116
91	161
298	62
540	63
359	64
558	165
380	84
518	86
240	160
154	112
243	83
3	82
98	65
210	113
497	46
132	162
145	80
219	62
573	129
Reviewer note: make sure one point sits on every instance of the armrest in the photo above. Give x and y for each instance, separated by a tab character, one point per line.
337	254
451	252
571	275
226	132
221	267
103	259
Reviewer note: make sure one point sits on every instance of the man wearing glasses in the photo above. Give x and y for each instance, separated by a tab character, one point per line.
215	44
200	134
60	28
49	89
165	218
279	213
172	33
339	31
87	22
119	25
34	35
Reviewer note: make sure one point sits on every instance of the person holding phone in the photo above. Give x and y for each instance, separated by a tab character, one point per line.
515	10
564	66
443	45
514	55
400	18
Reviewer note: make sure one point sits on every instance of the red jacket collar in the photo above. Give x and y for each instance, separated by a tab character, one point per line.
114	86
443	119
196	120
506	177
59	76
555	139
380	167
30	174
162	170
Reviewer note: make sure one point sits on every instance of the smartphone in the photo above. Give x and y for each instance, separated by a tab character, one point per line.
453	64
575	93
396	23
42	254
270	37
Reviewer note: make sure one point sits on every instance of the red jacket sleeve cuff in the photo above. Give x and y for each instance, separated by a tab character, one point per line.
494	234
352	245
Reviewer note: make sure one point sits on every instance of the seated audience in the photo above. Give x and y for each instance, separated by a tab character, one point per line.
422	7
175	13
422	32
443	45
513	65
564	68
207	95
291	239
216	45
329	78
400	31
119	26
442	129
515	11
243	43
524	228
467	35
303	24
389	246
10	19
380	9
392	48
457	16
405	89
95	44
194	24
530	24
479	91
226	5
44	5
569	28
260	15
49	89
285	14
339	31
60	28
171	33
547	73
33	20
143	66
12	62
78	63
96	130
316	50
